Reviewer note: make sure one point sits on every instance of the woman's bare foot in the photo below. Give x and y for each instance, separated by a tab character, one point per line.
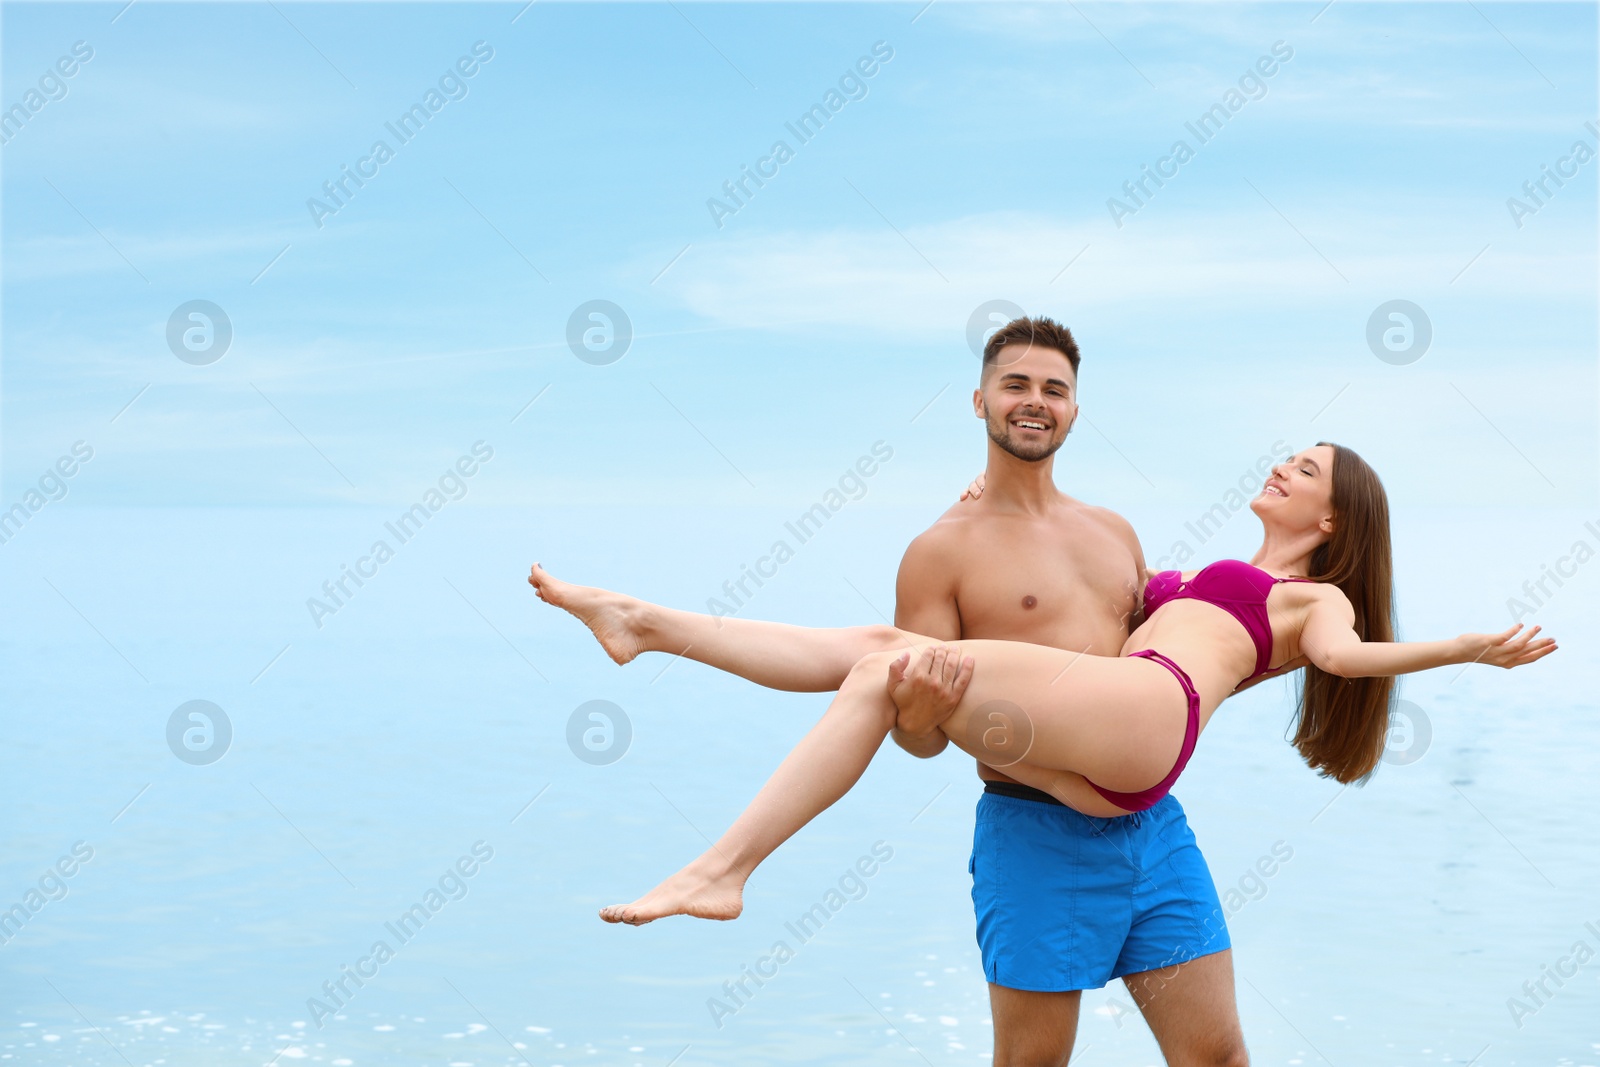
617	621
709	888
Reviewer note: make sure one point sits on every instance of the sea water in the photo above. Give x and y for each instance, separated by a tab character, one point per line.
1443	913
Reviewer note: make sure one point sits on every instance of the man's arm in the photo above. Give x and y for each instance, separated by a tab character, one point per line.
925	603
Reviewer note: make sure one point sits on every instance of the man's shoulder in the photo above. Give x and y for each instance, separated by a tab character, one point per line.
1111	520
965	518
949	531
1073	510
931	566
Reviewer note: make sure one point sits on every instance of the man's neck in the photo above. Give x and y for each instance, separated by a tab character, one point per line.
1009	482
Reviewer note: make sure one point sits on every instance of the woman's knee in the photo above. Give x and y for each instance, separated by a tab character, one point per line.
881	636
873	668
867	687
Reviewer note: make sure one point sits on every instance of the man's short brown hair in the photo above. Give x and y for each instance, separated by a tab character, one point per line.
1042	332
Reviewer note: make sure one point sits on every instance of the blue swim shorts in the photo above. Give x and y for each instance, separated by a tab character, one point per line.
1067	901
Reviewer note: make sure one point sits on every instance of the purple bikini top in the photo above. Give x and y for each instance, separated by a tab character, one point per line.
1230	584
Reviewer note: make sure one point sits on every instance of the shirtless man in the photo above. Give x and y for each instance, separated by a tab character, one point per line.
1065	900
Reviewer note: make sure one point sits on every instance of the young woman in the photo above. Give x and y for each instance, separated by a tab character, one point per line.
1316	594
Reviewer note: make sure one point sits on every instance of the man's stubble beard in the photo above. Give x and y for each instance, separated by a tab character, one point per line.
1012	448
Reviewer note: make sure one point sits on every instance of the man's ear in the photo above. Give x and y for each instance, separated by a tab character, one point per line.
977	404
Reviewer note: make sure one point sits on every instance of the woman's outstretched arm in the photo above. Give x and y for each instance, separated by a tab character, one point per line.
797	659
1330	643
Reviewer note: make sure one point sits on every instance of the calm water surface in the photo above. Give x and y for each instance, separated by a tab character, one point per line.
422	732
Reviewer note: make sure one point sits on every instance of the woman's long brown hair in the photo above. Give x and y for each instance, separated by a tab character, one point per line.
1341	724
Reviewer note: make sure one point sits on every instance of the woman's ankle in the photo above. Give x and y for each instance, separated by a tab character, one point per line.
646	622
724	863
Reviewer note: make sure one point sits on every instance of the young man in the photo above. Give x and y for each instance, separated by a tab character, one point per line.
1065	901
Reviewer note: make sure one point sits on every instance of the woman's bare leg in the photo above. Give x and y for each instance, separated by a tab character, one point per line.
820	770
1118	721
797	659
1115	721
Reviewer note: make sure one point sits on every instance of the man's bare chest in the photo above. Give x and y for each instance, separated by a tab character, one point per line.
1048	592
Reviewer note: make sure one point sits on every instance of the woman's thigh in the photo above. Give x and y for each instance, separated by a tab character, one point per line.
1117	721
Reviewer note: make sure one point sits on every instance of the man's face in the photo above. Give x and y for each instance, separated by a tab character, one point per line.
1028	400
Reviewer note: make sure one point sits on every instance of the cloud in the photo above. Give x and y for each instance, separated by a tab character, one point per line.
925	279
50	256
1383	65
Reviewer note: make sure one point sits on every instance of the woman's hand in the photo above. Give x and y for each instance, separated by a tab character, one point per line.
975	490
1508	648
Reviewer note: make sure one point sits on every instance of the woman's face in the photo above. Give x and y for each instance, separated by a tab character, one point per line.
1298	494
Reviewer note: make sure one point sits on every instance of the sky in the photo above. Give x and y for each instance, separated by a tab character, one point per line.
543	309
777	337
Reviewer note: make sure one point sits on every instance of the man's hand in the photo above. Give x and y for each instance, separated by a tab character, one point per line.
926	695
